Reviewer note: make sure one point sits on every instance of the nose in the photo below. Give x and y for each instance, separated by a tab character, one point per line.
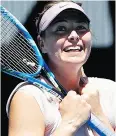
73	37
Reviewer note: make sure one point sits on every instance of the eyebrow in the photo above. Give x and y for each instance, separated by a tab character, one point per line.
64	20
59	20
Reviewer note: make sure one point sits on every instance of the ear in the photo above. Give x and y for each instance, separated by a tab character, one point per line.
41	44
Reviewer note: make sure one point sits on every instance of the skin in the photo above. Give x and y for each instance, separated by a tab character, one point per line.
30	121
60	35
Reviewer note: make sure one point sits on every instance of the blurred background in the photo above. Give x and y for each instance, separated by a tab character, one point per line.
102	59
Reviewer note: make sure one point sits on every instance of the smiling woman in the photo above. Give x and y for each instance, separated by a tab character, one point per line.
67	39
64	37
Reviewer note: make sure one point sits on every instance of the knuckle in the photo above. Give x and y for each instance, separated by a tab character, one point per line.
85	96
71	93
77	97
83	103
94	93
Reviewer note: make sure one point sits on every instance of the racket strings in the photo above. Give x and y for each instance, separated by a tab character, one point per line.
12	56
9	53
16	48
18	39
9	32
11	61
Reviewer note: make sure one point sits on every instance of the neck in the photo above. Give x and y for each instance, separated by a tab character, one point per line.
68	77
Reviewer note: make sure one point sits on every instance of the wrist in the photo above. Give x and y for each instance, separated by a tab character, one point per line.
66	128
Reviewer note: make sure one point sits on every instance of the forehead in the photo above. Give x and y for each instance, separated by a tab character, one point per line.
70	14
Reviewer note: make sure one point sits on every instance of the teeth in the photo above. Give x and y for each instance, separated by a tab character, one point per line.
73	48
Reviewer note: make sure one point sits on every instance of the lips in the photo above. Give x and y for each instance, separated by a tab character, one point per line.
73	48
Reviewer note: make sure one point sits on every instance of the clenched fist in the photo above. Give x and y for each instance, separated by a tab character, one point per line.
74	110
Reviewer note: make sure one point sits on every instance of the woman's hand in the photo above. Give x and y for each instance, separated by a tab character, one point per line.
74	111
90	94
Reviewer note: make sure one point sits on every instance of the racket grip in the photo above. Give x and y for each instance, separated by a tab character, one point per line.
97	125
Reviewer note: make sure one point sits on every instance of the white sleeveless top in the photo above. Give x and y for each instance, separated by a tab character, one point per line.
49	104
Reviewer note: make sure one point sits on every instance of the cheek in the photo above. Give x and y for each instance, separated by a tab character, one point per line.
87	40
49	44
57	44
60	43
54	46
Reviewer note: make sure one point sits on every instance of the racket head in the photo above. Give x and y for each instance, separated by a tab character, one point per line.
20	55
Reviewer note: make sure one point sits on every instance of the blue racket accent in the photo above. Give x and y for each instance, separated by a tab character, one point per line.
94	123
99	127
26	34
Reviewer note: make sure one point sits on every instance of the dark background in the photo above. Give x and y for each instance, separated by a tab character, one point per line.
100	64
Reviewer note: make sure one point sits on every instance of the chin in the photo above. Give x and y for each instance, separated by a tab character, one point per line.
75	59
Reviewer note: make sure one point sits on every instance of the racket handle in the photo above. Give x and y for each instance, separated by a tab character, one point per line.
100	128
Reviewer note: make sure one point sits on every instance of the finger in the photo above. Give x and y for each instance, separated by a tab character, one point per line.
89	89
72	93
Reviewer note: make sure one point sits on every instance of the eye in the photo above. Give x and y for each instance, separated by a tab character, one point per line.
61	29
81	29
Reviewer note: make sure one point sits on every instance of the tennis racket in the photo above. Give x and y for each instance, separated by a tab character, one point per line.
21	58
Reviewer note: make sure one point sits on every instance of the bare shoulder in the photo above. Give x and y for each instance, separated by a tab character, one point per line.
25	116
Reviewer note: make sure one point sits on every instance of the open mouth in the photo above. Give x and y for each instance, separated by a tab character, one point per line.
73	49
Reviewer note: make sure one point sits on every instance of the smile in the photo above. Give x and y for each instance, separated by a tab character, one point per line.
73	48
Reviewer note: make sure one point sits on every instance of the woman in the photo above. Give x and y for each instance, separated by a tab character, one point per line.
65	38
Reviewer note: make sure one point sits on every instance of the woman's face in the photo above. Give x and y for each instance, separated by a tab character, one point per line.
68	39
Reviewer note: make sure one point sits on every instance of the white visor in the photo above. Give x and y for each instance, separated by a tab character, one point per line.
52	13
